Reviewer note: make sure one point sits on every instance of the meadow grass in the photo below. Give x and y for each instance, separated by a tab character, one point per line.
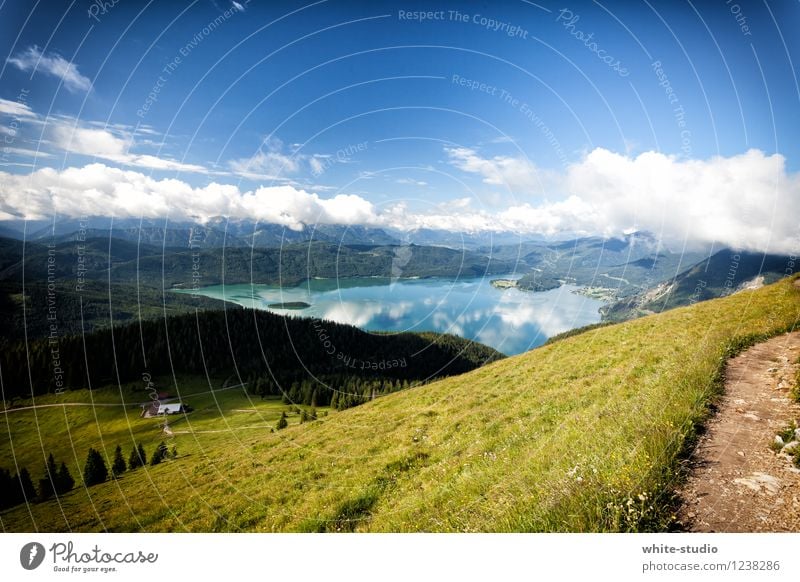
582	434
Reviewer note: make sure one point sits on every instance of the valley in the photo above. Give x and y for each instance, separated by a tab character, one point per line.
501	448
296	356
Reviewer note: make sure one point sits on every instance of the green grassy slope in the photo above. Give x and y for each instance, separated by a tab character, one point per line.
582	434
114	419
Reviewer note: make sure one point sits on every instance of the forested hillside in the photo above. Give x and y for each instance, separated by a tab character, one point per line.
249	344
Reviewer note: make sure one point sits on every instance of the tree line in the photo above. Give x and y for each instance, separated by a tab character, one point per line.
339	391
280	350
57	480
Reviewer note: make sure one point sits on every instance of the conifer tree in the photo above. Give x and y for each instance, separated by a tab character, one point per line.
159	454
282	422
47	484
64	480
118	466
95	470
137	457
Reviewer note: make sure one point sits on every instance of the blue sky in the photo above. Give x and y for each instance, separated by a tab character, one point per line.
506	106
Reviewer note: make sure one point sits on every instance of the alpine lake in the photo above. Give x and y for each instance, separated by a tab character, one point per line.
508	319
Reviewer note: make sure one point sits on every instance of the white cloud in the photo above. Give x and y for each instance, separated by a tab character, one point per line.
456	204
293	208
26	153
264	166
268	163
502	139
156	163
744	201
317	165
237	6
15	109
111	144
32	59
571	215
398	216
271	163
517	174
411	182
748	201
89	142
97	189
106	141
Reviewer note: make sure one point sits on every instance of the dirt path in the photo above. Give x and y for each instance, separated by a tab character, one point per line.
737	483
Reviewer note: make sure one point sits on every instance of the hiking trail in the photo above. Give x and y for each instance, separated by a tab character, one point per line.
737	482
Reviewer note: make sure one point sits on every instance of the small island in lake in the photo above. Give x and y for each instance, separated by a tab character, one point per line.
290	305
504	283
600	293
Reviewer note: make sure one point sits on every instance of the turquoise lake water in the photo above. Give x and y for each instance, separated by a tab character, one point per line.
510	320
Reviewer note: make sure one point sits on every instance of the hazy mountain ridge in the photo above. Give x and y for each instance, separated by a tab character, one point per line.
214	233
637	272
721	274
622	265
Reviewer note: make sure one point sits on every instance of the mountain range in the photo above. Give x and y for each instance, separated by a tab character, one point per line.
142	260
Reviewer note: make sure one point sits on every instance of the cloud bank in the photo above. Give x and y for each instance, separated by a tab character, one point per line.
748	201
100	190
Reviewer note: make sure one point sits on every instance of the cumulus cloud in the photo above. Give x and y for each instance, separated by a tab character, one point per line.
100	190
746	201
743	201
288	206
32	59
89	142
